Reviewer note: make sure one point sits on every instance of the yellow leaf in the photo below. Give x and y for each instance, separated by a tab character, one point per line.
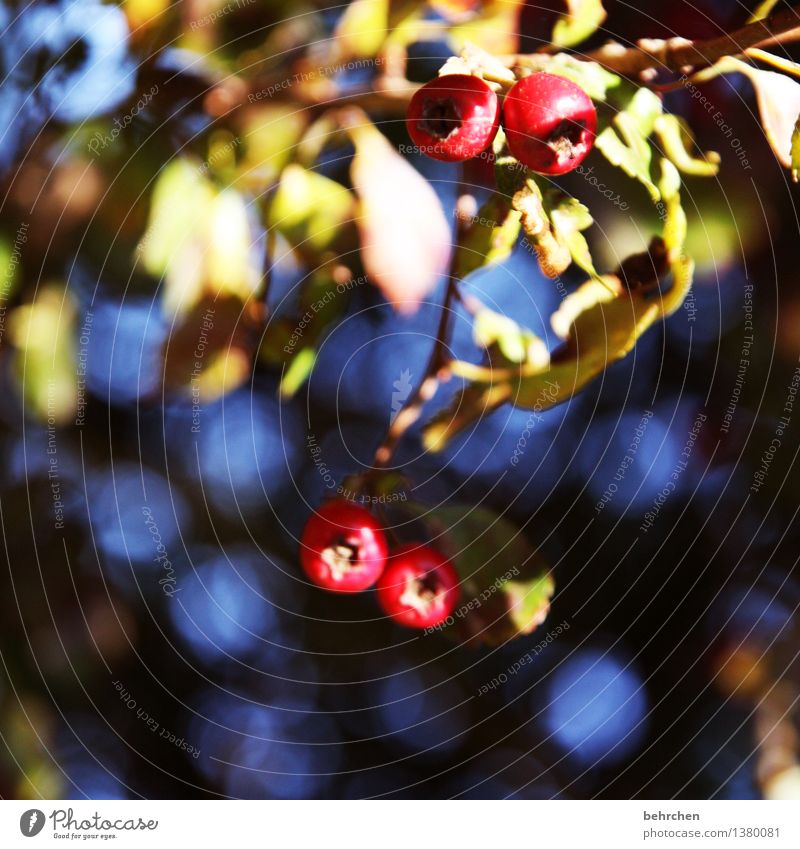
582	19
43	333
362	28
310	209
495	29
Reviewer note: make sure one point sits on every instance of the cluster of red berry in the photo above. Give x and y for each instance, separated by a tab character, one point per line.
344	549
549	121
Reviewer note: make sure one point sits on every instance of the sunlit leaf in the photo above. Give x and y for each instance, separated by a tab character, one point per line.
405	236
495	28
582	19
568	217
143	14
43	333
199	239
634	160
230	266
269	133
514	344
676	141
455	10
362	28
796	151
311	210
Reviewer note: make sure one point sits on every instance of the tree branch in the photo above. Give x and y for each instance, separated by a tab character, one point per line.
676	54
412	409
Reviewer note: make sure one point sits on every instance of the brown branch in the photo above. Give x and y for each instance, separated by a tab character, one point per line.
412	409
439	358
677	54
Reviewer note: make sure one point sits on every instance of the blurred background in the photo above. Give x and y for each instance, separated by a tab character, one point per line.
173	194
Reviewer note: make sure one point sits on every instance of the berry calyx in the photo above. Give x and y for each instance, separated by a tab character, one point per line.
454	117
419	587
550	123
343	548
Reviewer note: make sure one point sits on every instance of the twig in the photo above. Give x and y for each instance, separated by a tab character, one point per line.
676	54
412	409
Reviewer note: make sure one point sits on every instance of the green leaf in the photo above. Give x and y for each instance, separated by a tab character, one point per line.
796	151
676	139
599	323
502	335
625	143
643	110
489	238
9	265
310	209
199	239
506	586
269	133
43	333
297	372
569	217
582	19
634	161
210	348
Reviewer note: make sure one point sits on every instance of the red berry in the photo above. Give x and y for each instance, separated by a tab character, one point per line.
550	123
419	587
453	117
343	547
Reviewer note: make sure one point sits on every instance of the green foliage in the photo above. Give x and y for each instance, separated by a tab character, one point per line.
677	141
582	19
599	324
796	151
43	333
624	143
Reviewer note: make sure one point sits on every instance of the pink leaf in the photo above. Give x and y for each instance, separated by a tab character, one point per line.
405	236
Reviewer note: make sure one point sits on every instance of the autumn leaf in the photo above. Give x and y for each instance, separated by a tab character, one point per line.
405	236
